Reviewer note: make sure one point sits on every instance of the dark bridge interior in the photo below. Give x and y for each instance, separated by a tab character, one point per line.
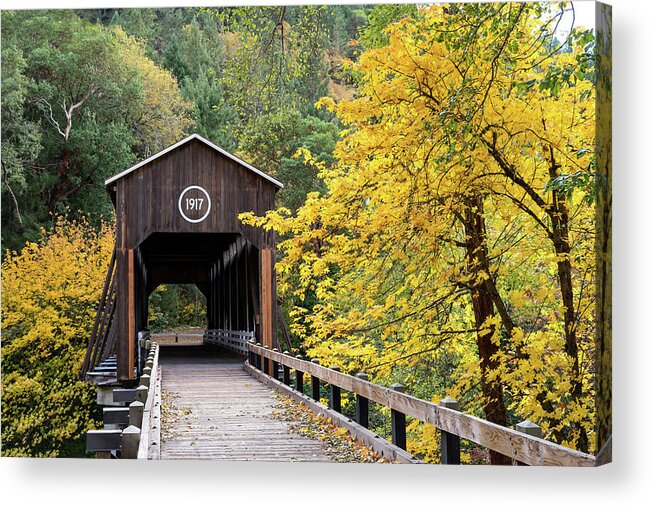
223	266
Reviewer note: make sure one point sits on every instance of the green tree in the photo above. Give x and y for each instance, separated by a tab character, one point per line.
176	306
20	142
75	87
275	144
196	61
162	117
92	101
374	34
274	59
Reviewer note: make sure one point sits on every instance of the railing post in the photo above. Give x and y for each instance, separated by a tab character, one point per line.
141	393
136	409
265	361
251	359
144	380
129	442
361	404
274	366
286	371
530	428
258	359
450	443
299	376
316	386
398	423
335	394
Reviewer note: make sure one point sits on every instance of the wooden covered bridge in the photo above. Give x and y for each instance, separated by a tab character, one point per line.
177	223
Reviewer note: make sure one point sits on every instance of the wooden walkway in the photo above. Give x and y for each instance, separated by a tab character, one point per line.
212	409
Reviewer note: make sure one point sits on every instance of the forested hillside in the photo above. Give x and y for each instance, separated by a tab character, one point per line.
88	93
437	225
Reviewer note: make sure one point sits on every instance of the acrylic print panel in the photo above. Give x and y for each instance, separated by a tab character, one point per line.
335	233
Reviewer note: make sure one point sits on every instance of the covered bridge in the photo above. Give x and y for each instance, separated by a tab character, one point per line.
177	222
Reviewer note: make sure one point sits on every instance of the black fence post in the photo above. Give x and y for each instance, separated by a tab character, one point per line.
274	366
316	385
361	404
299	376
258	359
398	423
251	358
450	443
265	362
286	371
335	394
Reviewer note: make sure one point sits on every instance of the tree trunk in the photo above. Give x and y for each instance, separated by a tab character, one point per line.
559	235
482	305
560	221
61	183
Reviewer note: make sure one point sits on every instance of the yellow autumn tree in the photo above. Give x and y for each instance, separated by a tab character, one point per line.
453	250
50	293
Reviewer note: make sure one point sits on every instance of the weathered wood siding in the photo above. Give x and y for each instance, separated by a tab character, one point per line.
150	195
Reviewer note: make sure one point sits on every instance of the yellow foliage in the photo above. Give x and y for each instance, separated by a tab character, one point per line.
50	292
385	250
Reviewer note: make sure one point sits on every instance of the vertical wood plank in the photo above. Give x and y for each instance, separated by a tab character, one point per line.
335	394
286	373
315	383
254	287
132	312
121	276
267	299
361	404
274	305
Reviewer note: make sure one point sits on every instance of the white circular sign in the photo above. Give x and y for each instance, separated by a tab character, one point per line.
194	204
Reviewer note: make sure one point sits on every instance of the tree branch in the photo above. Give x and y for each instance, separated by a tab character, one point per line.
50	116
20	220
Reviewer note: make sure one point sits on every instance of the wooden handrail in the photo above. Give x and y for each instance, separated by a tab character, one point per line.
233	340
514	444
149	447
141	437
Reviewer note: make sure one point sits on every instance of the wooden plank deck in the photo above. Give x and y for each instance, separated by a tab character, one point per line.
212	409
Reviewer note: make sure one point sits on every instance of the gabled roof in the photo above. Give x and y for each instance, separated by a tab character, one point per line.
184	141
